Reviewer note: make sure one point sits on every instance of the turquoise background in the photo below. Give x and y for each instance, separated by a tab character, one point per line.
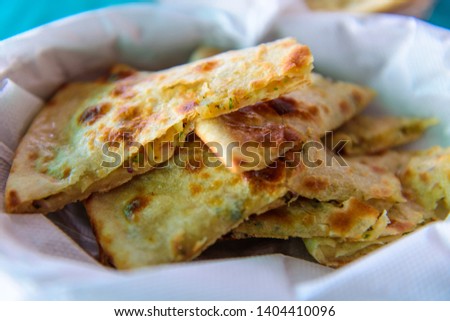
17	16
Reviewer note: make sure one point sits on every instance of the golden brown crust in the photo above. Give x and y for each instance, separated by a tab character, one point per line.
130	108
163	216
265	131
307	218
338	233
166	215
370	135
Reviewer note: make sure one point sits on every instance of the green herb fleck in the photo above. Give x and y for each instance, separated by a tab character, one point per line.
230	103
130	208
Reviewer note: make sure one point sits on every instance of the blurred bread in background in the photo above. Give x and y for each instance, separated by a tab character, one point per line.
417	8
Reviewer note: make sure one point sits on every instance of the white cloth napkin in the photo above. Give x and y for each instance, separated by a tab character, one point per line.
405	60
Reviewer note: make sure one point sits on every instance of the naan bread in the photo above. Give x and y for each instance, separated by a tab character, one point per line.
338	233
424	191
255	136
361	204
352	220
174	212
307	218
403	218
317	173
356	5
369	135
60	158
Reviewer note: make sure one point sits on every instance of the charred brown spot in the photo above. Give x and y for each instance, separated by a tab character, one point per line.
235	180
267	176
186	107
377	169
104	258
315	184
123	91
127	113
257	84
13	199
43	169
205	175
283	105
216	185
52	102
48	158
137	124
107	239
276	217
296	58
295	109
351	215
33	156
305	114
256	124
121	74
291	135
135	206
92	114
206	66
408	173
344	107
195	188
325	108
66	172
313	111
357	96
424	177
36	204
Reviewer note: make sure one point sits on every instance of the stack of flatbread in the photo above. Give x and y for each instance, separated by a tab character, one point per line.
241	144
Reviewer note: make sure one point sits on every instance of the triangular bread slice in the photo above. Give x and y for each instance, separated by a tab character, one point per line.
370	135
177	210
255	136
86	137
336	233
425	189
403	218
